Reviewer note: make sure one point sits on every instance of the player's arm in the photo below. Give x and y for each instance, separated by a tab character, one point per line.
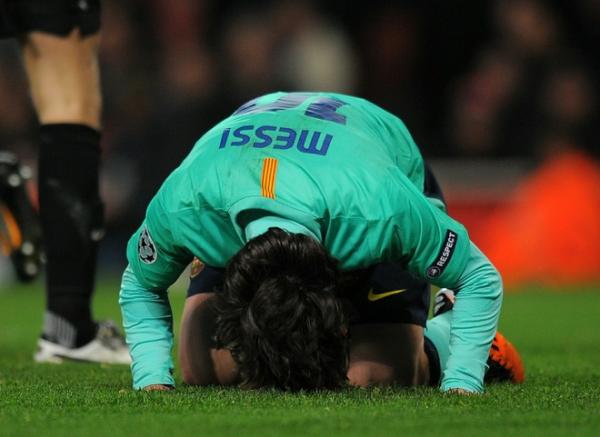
474	323
154	264
147	320
439	249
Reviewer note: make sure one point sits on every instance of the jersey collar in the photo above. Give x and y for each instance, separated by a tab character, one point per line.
263	224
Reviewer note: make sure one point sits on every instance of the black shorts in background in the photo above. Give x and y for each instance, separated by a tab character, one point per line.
56	17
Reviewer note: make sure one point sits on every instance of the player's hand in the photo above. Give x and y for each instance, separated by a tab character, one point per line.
158	387
460	391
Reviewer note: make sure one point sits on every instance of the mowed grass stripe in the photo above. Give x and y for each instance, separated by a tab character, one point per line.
555	332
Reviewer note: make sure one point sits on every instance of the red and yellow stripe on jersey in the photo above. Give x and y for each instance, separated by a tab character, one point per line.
269	174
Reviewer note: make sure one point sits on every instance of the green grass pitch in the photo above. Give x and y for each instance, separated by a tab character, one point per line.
557	333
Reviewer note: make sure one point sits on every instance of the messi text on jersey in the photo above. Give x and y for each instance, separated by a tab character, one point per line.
277	137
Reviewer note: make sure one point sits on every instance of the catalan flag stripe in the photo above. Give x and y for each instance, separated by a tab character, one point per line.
269	173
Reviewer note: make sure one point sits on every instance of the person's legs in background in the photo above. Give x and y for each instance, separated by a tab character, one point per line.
59	42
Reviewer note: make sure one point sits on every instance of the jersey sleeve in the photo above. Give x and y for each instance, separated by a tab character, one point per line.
148	324
153	253
438	249
155	262
434	246
474	322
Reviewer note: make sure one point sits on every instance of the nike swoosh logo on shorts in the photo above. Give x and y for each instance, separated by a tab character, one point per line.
376	296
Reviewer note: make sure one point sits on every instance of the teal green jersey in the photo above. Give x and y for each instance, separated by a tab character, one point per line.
342	167
335	167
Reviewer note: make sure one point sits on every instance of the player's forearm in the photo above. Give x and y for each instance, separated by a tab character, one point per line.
147	320
474	323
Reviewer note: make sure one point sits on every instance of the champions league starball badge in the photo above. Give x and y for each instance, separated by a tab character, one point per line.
146	247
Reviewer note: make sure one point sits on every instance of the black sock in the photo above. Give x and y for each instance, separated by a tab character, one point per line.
71	214
435	372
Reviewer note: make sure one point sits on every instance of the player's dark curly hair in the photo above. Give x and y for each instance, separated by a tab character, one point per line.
279	316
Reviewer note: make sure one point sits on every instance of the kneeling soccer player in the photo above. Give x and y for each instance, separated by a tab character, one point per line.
330	229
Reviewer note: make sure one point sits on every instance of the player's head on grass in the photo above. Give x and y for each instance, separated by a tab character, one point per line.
279	314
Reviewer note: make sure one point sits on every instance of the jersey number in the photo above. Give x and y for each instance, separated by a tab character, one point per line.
323	107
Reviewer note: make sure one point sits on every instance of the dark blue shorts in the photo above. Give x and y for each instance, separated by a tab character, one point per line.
384	293
56	17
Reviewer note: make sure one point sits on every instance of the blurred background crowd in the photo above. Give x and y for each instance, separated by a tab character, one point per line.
501	81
